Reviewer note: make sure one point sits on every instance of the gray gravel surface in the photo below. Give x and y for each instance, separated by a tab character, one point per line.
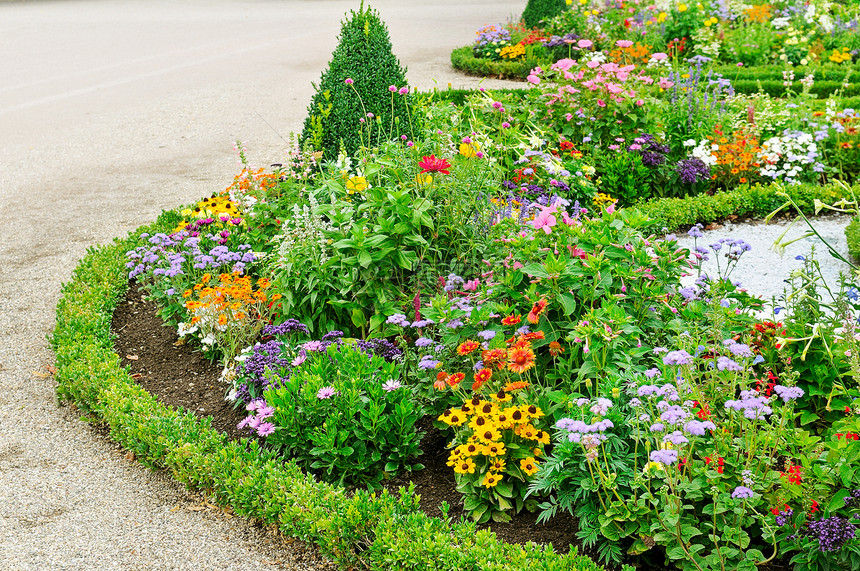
763	270
109	113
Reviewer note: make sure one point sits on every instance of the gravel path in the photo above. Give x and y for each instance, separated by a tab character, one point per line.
109	113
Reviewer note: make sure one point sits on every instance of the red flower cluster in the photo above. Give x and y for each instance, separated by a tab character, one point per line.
720	463
794	476
848	436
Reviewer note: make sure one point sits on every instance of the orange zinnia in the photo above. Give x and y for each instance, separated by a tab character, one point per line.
520	360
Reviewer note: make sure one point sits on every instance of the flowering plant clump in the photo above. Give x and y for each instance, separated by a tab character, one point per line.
229	314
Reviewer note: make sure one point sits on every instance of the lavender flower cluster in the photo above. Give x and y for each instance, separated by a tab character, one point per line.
652	152
168	254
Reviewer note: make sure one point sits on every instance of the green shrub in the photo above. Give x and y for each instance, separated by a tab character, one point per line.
852	235
539	10
464	60
364	57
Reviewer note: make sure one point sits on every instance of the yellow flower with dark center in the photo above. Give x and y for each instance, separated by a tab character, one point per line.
479	423
542	437
495	449
498	465
491	479
531	411
473	449
488	436
502	396
529	466
465	466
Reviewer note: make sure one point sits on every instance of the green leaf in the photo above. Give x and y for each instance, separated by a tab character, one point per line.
501	517
535	270
391	466
358	318
807	417
505	489
568	302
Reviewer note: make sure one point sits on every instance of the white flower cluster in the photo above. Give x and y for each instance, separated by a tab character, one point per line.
788	156
303	238
598	57
703	150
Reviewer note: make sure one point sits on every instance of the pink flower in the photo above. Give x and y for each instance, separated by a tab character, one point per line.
584	44
567	219
601	103
624	43
533	79
613	147
665	83
610	67
403	90
568	116
614	88
611	208
471	285
545	219
592	64
348	81
392	88
639	103
563	64
659	56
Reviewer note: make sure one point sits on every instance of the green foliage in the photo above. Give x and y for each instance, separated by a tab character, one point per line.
463	59
364	56
359	433
375	531
623	176
852	236
539	10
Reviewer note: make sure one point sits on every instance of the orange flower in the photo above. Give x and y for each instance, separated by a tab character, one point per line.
846	145
481	377
222	320
455	379
534	335
511	320
536	311
555	348
520	359
743	180
467	347
496	357
439	385
515	386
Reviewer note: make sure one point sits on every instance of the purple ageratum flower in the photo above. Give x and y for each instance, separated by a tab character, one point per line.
679	357
423	342
788	393
698	427
676	438
487	334
695	231
651	373
391	385
742	493
454	324
674	415
739	349
647	390
666	457
326	393
422	323
398	319
657	427
726	364
427	362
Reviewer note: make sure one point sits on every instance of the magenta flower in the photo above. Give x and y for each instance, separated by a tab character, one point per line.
326	393
624	43
348	81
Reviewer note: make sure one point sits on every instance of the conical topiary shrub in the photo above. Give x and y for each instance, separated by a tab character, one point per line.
537	10
357	83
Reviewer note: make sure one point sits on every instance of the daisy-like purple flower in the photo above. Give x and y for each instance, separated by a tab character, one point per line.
265	429
326	393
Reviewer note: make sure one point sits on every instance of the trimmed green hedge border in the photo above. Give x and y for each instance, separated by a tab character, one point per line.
364	531
756	201
744	80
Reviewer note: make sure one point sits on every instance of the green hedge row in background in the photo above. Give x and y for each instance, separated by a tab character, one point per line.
744	80
362	531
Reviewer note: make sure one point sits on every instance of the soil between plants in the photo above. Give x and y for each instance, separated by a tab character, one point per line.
180	376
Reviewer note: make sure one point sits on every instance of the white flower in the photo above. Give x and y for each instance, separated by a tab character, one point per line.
690	143
208	340
184	329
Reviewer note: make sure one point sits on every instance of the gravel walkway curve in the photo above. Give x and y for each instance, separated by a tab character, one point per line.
109	113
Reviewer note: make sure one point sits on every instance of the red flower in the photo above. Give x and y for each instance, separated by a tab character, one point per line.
794	476
481	377
432	164
467	347
511	320
814	507
537	310
455	379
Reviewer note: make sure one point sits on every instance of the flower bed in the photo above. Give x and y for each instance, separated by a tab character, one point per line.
499	262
